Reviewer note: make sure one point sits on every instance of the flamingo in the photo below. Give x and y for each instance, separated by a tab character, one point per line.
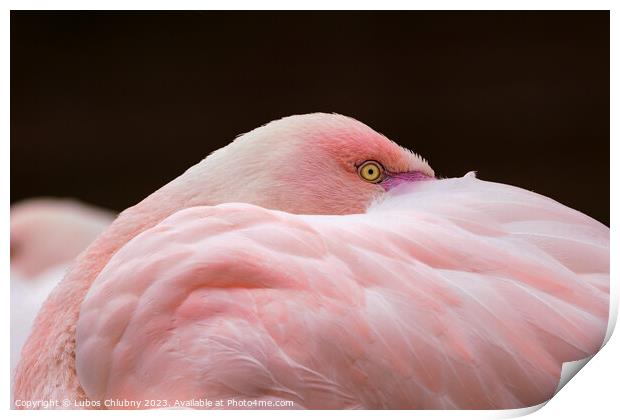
40	225
314	263
46	234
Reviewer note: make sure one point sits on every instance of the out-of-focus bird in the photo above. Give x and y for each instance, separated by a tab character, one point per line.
49	232
46	235
352	278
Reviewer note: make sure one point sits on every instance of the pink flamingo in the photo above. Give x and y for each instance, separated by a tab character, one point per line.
46	234
341	274
40	225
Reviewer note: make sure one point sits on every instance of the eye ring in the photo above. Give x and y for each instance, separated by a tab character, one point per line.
371	171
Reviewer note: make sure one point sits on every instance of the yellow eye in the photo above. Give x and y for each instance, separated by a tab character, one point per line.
370	171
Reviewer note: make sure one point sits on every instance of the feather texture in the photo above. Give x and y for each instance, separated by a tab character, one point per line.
453	293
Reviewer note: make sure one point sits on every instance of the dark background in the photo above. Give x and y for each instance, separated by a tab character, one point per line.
109	106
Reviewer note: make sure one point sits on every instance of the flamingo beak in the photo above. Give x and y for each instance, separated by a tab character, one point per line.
392	180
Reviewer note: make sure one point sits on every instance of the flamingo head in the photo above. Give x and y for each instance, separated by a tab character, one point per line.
313	164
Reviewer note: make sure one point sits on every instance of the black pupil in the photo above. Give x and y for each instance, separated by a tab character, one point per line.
370	171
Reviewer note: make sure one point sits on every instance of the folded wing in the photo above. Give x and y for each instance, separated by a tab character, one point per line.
456	293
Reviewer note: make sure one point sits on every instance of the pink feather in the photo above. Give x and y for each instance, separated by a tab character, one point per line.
453	293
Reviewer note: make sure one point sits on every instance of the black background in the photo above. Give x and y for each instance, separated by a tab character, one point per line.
109	106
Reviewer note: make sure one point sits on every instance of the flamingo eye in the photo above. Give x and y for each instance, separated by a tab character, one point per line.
371	171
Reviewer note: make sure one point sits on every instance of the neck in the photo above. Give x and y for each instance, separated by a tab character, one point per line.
46	370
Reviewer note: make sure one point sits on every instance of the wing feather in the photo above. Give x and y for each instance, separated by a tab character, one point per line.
456	294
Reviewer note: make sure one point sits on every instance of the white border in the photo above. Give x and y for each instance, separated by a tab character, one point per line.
594	393
311	5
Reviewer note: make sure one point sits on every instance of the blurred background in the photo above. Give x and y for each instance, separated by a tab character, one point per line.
107	107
